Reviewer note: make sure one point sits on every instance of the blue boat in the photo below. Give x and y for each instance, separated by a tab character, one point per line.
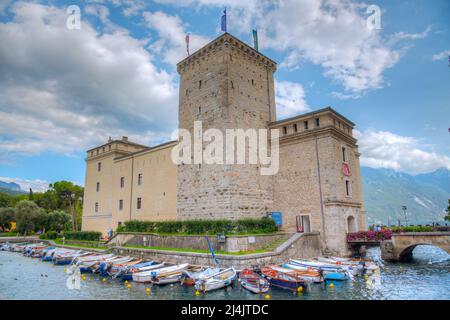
283	280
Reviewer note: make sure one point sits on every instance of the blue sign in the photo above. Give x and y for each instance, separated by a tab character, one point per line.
276	216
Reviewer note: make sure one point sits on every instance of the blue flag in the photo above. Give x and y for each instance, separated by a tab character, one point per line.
224	21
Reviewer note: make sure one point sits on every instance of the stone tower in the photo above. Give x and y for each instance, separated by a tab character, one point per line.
225	85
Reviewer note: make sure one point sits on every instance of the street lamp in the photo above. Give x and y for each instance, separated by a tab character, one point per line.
404	213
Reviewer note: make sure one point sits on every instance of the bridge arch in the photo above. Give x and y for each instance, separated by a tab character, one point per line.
407	253
401	246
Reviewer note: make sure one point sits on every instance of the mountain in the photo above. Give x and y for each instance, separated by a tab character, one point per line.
386	191
11	188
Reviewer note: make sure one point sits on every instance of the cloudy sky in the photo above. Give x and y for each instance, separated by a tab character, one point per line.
63	91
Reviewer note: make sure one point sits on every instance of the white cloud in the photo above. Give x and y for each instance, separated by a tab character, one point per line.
329	33
290	99
441	55
382	149
25	184
66	90
171	42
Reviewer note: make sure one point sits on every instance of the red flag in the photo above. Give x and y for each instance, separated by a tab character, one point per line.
187	43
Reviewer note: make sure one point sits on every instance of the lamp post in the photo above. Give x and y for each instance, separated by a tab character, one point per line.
405	214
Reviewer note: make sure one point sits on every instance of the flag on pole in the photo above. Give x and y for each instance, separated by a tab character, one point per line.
187	43
255	39
224	21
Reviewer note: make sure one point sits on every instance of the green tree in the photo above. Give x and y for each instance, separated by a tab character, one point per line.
58	220
447	217
28	216
6	218
30	195
5	200
70	197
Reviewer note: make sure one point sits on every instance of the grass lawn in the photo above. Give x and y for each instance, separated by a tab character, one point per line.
91	244
196	250
202	235
8	234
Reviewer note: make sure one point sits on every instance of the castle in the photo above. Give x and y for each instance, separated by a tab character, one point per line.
228	84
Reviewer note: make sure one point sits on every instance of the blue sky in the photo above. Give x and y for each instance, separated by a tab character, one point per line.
63	91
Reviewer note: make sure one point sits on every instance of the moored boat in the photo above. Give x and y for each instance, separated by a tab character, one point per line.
330	271
148	276
290	281
253	282
216	281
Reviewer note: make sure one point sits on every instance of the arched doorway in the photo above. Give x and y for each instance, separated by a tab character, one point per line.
351	224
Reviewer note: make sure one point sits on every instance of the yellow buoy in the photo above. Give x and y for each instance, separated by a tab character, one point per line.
104	280
331	285
83	277
65	269
126	282
267	296
128	286
197	293
147	291
366	277
300	289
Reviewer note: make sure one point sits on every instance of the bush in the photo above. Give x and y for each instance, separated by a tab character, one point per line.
49	235
83	235
412	229
384	234
263	225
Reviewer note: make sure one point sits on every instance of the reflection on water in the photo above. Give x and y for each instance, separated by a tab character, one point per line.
426	277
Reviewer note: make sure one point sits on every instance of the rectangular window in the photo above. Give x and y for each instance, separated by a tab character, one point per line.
347	187
139	203
97	187
122	182
285	130
99	166
344	154
139	179
306	124
96	207
317	122
120	204
295	127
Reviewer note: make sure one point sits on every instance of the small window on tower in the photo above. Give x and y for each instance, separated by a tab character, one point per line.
97	188
200	84
120	204
232	85
284	130
96	207
122	182
295	127
199	109
306	124
344	154
347	188
99	166
317	122
140	179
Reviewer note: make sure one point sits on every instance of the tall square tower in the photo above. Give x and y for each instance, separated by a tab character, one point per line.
225	85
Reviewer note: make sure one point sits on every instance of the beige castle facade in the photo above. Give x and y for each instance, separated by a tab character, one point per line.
228	84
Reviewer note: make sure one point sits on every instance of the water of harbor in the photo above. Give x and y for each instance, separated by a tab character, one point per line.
426	277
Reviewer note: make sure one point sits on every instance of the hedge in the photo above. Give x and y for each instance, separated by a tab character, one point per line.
49	235
412	229
82	235
262	225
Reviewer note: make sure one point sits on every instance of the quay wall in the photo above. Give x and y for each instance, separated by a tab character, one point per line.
299	246
231	243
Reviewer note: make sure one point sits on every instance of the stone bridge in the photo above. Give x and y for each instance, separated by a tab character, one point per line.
401	246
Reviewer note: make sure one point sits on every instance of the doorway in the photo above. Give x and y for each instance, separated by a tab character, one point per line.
303	224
